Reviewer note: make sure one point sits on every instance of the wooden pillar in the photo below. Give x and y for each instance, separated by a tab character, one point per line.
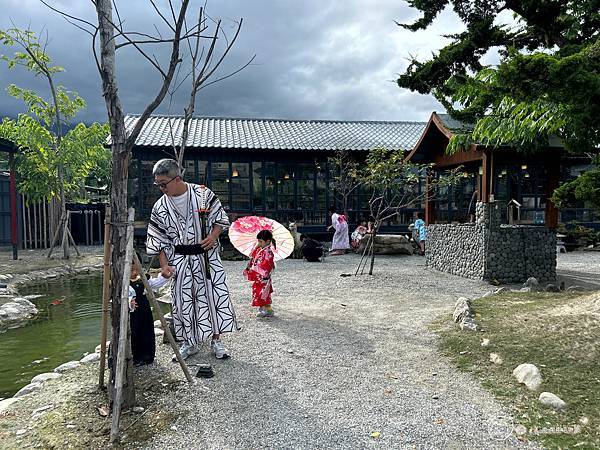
552	183
429	203
486	177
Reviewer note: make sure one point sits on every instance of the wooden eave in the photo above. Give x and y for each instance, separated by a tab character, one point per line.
435	152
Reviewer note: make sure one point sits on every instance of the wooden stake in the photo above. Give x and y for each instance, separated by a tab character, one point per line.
54	240
150	295
123	332
105	297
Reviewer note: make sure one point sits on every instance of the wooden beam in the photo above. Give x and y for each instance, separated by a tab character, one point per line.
551	212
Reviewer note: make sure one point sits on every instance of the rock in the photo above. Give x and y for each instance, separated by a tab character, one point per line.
31	387
525	289
485	342
67	366
529	375
97	350
551	400
575	288
168	316
43	409
5	404
42	377
584	420
532	283
158	332
137	409
158	324
552	288
468	324
495	358
462	308
20	432
16	313
92	357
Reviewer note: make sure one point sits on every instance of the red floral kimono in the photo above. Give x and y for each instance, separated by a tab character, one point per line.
262	263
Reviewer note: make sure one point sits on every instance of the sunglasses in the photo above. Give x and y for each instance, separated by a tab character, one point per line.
163	185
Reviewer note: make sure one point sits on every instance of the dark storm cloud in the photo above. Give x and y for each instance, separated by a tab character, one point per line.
314	59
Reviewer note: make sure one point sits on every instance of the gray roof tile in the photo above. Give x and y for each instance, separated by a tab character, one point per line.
216	132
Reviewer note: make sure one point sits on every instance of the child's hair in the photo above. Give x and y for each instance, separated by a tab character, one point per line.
266	235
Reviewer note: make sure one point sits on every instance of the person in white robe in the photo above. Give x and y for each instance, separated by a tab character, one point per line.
341	239
201	307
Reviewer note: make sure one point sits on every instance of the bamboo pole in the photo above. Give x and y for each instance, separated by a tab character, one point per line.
150	295
35	225
29	226
23	202
123	332
105	298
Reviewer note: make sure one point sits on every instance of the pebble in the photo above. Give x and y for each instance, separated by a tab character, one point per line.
138	409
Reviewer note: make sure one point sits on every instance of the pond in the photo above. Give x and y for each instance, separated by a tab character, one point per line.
67	327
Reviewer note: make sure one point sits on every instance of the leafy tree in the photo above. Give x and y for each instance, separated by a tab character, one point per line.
546	82
51	163
395	184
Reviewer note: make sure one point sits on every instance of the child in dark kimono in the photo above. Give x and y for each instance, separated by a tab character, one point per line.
262	263
143	344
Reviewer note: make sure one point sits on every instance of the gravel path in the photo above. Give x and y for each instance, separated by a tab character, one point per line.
344	357
579	268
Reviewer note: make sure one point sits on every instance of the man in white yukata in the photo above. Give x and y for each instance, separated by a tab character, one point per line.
201	306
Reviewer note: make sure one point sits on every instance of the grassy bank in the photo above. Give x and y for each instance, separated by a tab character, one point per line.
560	334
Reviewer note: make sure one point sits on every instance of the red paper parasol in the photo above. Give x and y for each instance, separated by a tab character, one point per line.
242	235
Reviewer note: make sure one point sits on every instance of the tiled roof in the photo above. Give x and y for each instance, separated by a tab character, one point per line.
455	125
213	132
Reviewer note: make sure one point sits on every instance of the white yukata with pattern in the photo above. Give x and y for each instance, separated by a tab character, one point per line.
200	307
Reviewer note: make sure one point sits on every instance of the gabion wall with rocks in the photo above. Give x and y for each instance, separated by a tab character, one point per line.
457	249
491	251
519	252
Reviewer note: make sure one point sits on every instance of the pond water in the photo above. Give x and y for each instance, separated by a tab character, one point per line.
61	332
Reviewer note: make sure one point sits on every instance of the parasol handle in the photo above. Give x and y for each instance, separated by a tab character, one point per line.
204	232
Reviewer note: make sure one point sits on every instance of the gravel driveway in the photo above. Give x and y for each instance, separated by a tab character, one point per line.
343	358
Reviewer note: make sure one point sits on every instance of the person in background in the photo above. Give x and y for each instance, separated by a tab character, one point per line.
143	344
341	240
358	234
311	249
421	232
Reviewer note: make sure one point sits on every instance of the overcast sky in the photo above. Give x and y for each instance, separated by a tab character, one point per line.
315	59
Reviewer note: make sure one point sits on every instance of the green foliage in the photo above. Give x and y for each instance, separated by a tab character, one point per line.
585	188
81	153
547	82
42	149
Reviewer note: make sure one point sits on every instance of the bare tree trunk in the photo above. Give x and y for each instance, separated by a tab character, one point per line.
373	236
121	154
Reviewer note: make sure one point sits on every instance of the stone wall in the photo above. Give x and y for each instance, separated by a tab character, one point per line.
456	249
491	251
519	252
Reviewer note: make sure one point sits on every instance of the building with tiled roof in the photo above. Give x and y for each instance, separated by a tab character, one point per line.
269	167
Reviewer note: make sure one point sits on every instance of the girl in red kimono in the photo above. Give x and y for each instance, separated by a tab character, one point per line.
262	263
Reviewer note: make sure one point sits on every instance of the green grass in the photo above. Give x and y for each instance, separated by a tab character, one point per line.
534	328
